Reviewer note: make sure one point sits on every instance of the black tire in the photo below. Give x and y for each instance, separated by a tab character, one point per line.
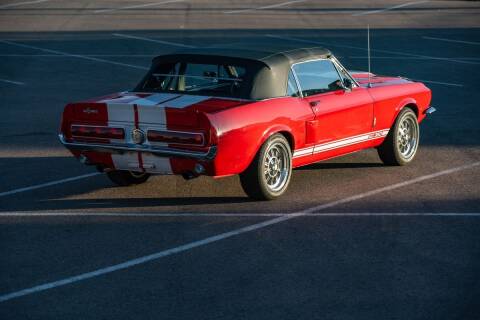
399	149
126	178
259	183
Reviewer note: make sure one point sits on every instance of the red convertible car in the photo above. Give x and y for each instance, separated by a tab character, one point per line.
254	113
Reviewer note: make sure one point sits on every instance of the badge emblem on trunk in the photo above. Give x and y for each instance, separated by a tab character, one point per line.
138	136
90	111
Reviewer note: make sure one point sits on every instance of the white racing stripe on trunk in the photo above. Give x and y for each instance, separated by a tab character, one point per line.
154	99
122	99
122	115
154	117
151	114
185	101
120	112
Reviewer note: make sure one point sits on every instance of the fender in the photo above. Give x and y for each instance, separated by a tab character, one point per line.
276	129
270	131
403	103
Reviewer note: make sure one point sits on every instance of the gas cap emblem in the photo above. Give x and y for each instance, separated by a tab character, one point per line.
138	136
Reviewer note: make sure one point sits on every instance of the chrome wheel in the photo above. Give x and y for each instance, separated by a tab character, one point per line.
276	166
407	137
268	175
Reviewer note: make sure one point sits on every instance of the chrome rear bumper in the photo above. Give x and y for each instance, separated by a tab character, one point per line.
158	151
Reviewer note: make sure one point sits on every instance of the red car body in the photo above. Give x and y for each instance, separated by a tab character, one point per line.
223	135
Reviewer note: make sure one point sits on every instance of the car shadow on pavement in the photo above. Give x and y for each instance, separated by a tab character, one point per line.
99	192
123	203
170	193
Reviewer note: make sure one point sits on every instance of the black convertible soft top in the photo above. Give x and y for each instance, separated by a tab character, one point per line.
269	68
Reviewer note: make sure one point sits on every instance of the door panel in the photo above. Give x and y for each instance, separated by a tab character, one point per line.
343	117
342	114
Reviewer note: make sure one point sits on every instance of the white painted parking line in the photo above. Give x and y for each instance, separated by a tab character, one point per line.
79	56
451	40
16	4
234	215
18	83
276	5
403	5
365	49
48	184
152	4
175	44
257	226
404	58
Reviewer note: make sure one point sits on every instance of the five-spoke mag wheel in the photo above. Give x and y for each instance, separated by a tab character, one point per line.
269	174
276	166
401	143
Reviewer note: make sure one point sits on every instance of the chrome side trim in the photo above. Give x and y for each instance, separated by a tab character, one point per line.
121	148
430	110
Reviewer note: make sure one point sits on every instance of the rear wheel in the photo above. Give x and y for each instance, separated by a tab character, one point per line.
127	178
401	143
269	174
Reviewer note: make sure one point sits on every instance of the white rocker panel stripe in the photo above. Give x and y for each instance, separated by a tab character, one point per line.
340	143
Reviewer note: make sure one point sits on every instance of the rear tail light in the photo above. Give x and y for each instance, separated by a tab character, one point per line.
176	137
80	131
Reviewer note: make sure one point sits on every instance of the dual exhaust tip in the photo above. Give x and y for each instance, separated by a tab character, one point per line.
198	170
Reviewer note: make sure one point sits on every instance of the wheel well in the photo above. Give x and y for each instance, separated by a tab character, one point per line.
413	107
289	138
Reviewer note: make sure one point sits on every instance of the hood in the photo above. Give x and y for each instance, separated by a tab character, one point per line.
377	81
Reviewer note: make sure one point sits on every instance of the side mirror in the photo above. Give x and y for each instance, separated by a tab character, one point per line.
347	84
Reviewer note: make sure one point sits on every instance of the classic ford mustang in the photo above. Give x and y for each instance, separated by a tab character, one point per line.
249	112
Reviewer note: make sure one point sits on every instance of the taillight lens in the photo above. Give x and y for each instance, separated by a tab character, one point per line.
79	131
176	137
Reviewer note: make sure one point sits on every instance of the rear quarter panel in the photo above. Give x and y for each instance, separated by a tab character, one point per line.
242	130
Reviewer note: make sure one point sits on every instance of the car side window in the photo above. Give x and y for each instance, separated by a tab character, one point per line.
292	88
317	76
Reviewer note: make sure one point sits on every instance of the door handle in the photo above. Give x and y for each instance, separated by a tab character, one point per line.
314	103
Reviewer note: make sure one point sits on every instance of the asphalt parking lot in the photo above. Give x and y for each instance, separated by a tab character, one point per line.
352	238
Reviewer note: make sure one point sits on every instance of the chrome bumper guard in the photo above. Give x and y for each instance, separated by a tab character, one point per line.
158	151
430	110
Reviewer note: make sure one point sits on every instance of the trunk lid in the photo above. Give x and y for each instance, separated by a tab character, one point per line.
159	109
147	111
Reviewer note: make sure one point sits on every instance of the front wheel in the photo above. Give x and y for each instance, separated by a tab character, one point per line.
126	178
269	174
401	143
